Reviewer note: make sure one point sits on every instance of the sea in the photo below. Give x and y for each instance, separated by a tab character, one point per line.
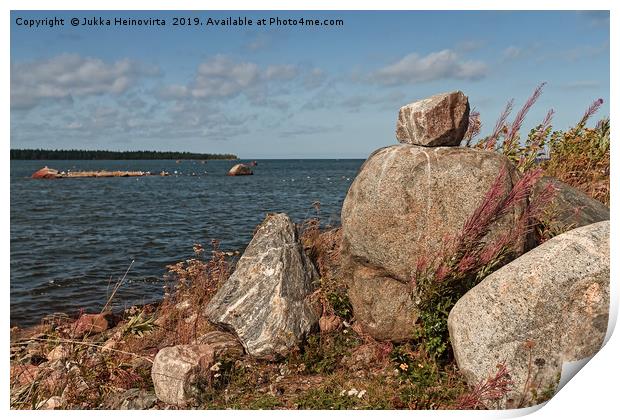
73	239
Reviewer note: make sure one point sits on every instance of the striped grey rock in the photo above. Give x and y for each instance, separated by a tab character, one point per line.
180	373
572	208
549	306
440	120
266	300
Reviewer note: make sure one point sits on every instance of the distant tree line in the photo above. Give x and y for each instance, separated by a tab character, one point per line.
43	154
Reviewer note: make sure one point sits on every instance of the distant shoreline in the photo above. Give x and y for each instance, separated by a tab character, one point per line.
44	154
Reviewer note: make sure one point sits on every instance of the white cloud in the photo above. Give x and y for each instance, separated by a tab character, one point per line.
222	77
445	64
70	75
281	72
512	53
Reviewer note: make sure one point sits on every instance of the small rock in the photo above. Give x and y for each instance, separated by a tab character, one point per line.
23	374
51	403
131	399
181	306
329	323
178	371
191	318
363	357
60	352
440	120
89	324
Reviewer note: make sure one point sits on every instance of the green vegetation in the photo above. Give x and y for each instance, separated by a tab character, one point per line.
43	154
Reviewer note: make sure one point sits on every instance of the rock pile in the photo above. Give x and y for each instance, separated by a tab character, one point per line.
406	201
547	307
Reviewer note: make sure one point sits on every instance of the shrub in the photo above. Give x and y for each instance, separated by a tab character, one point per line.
470	256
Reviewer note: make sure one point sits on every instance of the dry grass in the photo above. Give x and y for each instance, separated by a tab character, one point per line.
579	156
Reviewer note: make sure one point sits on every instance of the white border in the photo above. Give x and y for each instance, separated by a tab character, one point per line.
593	394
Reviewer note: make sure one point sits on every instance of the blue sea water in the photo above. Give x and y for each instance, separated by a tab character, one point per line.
72	239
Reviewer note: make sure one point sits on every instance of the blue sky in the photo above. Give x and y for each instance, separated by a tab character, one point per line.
292	92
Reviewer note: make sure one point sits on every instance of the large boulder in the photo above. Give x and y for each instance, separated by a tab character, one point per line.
571	208
440	120
180	373
266	301
404	206
549	306
239	170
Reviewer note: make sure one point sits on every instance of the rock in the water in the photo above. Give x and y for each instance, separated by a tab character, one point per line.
179	372
239	170
45	173
405	205
545	308
572	208
266	300
440	120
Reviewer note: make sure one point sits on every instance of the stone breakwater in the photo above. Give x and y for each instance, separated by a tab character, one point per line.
49	173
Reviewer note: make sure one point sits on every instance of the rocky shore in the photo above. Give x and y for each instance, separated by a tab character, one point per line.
445	287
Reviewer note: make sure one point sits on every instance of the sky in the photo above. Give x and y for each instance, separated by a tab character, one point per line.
292	91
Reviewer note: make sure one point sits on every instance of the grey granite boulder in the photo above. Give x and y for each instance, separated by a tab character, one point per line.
547	307
572	208
440	120
404	205
266	301
179	372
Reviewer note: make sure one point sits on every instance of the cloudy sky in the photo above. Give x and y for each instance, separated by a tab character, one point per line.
292	92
